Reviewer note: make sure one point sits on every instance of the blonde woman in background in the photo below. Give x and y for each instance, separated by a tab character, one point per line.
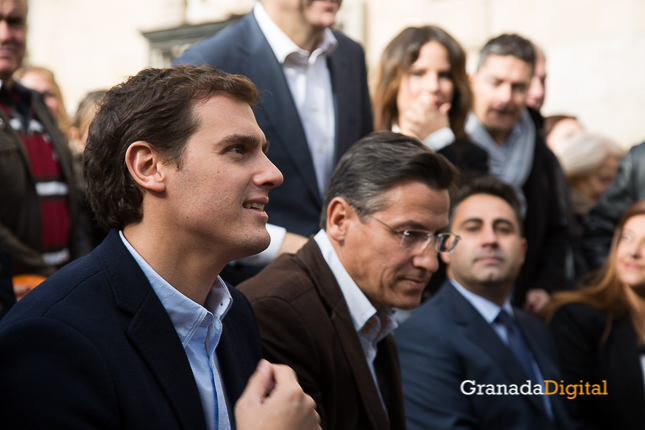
600	332
82	119
79	130
42	80
590	163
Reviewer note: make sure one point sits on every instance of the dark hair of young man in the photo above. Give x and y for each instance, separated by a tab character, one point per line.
155	106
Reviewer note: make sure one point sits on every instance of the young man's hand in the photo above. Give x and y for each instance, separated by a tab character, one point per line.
273	400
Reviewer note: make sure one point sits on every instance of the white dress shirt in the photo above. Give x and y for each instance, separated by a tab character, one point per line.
308	78
371	325
310	84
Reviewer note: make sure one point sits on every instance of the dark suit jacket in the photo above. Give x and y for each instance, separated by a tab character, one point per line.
242	49
93	347
445	342
305	323
467	156
578	330
545	226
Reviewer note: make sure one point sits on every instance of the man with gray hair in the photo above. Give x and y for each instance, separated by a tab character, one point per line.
326	311
501	124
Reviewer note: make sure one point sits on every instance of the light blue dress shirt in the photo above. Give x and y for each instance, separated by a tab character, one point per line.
199	329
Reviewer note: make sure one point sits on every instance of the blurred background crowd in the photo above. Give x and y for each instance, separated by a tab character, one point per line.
452	73
592	46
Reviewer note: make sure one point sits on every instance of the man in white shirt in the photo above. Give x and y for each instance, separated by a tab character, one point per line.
469	334
314	105
327	310
143	333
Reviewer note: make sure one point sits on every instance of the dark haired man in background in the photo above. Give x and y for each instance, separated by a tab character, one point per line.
501	124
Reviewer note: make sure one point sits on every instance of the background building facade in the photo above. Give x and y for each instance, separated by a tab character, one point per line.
594	48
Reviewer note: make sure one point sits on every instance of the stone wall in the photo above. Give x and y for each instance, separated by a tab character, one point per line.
594	48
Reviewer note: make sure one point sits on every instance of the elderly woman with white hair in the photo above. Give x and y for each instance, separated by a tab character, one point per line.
590	162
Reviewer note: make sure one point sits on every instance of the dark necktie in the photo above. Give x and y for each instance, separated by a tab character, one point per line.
518	345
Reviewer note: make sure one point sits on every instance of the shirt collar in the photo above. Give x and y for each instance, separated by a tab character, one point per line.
359	305
185	314
486	308
282	46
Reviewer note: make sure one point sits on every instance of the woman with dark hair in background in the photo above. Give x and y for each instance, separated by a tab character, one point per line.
600	331
423	90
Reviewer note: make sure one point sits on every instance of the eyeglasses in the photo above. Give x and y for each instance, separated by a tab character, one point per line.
418	240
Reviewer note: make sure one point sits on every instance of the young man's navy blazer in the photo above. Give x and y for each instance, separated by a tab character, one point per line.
118	360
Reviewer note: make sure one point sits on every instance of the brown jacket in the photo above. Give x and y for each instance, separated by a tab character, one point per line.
20	217
305	323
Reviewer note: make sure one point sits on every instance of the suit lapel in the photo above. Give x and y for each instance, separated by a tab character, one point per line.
238	351
340	76
277	105
388	371
333	298
482	334
230	358
152	332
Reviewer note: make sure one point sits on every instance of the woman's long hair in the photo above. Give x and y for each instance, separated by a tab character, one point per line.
605	292
398	57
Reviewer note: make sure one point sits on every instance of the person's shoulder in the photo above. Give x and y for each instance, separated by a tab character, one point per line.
284	278
430	316
581	312
347	45
468	150
65	294
635	156
220	47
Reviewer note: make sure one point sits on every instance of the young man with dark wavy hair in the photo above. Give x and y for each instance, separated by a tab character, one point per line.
143	333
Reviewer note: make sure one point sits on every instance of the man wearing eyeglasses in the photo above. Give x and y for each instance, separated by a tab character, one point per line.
326	311
469	335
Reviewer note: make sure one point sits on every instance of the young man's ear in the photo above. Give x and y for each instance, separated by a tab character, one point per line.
145	166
